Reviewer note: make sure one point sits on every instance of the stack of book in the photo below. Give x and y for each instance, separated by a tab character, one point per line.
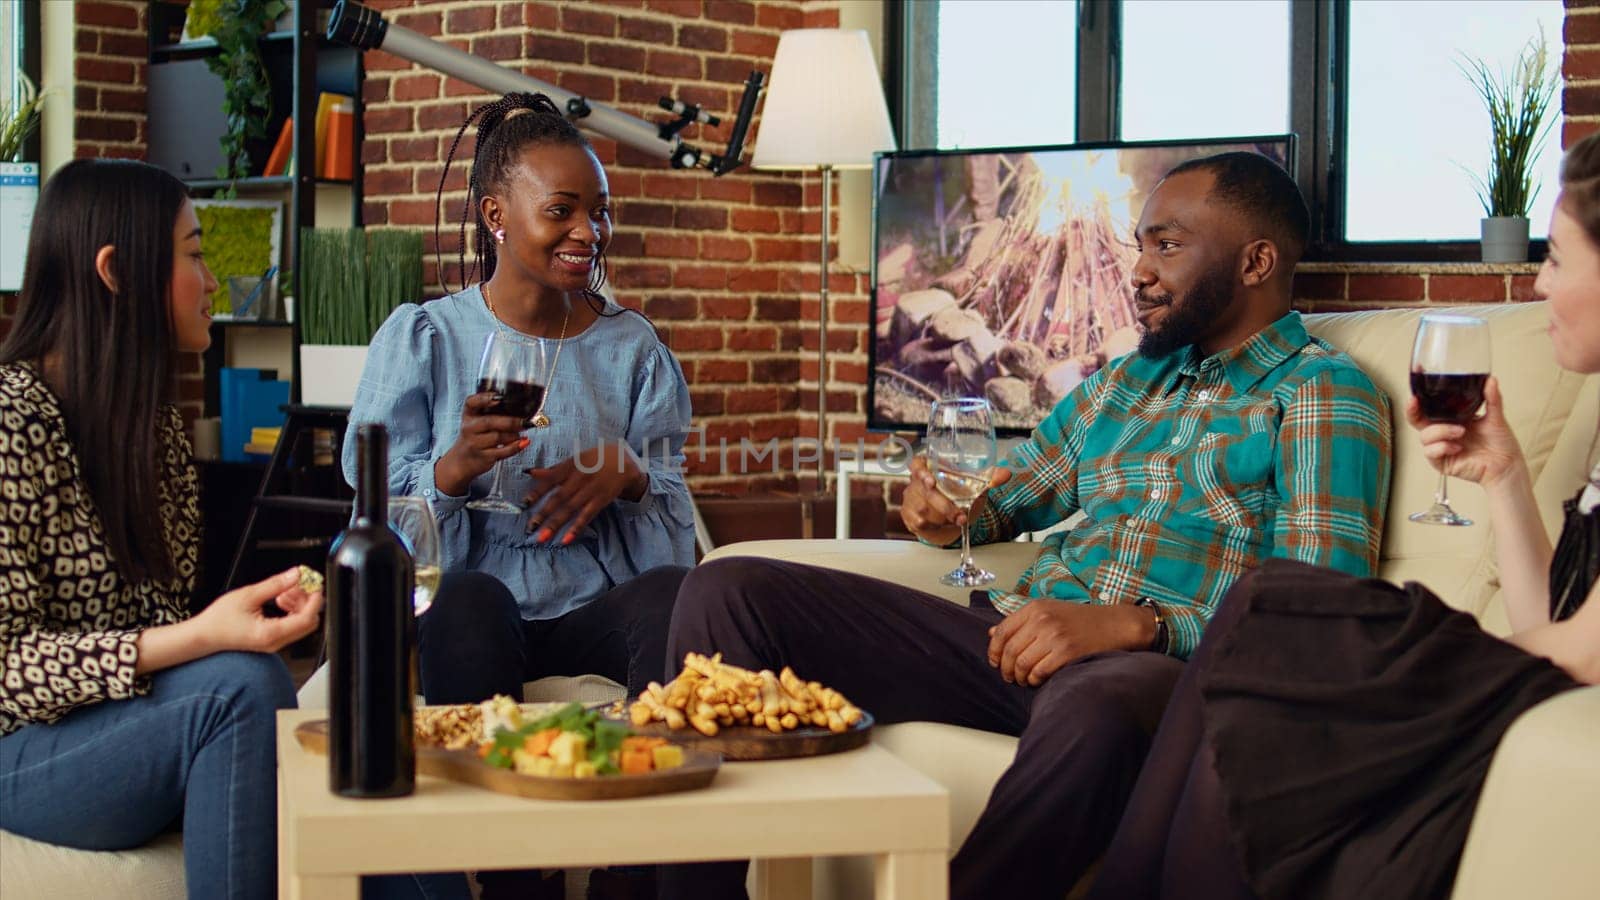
334	140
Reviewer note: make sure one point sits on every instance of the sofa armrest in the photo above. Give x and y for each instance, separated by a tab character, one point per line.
906	563
1533	832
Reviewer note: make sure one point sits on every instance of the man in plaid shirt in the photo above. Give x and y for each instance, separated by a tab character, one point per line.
1230	437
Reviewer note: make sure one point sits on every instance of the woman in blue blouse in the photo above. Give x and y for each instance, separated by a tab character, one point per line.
583	580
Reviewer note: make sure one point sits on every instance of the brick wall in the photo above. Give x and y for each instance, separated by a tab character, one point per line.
724	266
112	79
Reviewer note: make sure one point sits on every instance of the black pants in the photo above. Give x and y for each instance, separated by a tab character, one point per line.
473	643
908	656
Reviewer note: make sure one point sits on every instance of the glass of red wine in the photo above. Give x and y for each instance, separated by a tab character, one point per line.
1449	366
513	370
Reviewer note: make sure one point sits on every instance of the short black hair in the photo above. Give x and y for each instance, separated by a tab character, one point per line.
1260	188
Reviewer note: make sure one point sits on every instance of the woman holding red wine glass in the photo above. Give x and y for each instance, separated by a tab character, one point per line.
544	426
1384	707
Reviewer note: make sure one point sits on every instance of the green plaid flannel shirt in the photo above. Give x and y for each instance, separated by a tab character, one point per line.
1191	470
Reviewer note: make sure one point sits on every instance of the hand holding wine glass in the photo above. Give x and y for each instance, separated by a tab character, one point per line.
513	372
961	456
1449	368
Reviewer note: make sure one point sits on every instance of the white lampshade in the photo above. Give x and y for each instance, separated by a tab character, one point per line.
824	103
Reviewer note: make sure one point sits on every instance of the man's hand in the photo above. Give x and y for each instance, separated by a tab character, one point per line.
1029	645
931	515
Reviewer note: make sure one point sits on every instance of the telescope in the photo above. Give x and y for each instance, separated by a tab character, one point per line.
364	28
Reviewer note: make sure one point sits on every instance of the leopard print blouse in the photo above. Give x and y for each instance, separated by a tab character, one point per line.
68	619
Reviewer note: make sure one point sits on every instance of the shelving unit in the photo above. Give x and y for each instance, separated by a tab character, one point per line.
300	65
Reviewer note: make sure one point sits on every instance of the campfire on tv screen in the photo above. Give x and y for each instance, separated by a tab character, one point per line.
1006	274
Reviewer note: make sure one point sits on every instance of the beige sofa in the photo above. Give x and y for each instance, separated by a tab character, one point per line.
1530	836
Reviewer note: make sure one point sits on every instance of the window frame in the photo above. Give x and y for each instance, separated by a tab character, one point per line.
1319	34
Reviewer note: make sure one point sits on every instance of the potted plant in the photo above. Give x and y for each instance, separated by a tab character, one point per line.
351	279
1517	102
237	26
17	122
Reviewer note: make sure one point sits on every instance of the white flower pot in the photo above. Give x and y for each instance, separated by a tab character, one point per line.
329	373
1505	239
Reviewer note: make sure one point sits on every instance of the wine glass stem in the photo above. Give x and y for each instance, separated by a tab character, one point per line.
966	542
494	489
1443	496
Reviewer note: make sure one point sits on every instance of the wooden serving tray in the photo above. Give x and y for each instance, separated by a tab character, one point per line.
698	769
745	743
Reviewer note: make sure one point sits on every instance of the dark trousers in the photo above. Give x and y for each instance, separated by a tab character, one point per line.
908	656
473	642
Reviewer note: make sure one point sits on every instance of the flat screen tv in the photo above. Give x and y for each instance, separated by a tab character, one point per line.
1006	273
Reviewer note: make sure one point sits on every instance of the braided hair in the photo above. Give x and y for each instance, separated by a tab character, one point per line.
506	127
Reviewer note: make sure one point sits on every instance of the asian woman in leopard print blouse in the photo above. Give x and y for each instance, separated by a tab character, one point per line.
120	713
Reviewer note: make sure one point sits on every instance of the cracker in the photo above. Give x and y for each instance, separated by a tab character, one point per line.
310	580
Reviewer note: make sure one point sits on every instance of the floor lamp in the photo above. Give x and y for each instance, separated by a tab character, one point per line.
824	111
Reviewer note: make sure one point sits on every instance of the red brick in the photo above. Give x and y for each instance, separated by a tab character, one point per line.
779	371
543	15
106	15
848	312
670	64
729	70
455	87
643	275
1581	64
1581	100
128	45
777	309
1581	29
730	249
412	212
779	16
616	56
100	128
374	151
1328	286
423	149
636	213
416	87
711	99
650	31
768	250
104	71
497	47
510	16
601	88
644	93
735	11
1573	131
549	48
723	371
470	20
687	338
749	279
388	120
1466	288
755	43
700	277
849	372
429	24
753	339
584	21
113	100
673	186
626	245
729	188
706	402
1522	288
377	182
820	18
743	401
448	116
778	193
376	212
1400	288
708	218
703	37
375	90
86	42
728	308
688	9
671	307
671	246
761	220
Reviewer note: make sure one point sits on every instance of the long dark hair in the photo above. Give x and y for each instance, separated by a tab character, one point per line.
506	127
116	350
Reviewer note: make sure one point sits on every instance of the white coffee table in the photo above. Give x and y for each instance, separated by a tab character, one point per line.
779	813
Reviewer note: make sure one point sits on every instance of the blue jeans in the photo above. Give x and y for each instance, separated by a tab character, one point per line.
201	745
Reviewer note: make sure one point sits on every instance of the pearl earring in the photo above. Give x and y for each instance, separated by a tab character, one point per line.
500	235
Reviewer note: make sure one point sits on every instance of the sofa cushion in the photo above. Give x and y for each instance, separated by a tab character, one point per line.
40	871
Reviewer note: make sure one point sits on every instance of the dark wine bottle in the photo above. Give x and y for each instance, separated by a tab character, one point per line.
371	633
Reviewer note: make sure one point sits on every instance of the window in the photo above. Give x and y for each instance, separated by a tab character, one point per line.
1389	128
1410	175
1235	82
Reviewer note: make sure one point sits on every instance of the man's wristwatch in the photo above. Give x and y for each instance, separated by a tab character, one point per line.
1160	643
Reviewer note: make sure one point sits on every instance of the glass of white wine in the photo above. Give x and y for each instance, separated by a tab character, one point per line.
413	520
961	455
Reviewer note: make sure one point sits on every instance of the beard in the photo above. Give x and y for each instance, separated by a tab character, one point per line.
1189	319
